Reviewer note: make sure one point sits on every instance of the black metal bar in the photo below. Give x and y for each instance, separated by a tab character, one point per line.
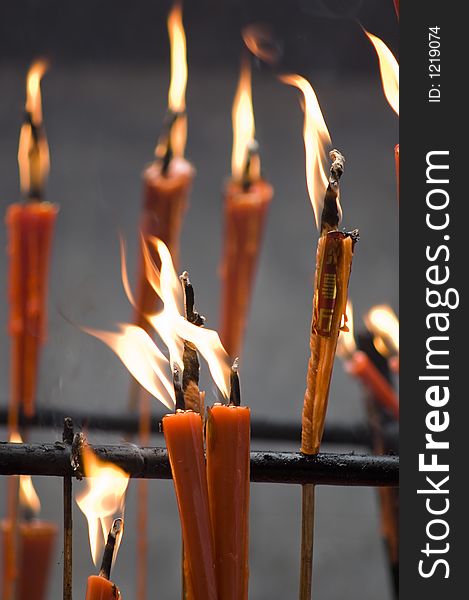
152	463
261	429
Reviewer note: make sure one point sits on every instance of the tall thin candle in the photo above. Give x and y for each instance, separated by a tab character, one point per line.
228	444
247	199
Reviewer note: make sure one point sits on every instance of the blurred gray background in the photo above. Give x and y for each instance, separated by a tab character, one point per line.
104	101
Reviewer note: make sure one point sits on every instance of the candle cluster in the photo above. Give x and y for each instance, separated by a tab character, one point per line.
208	447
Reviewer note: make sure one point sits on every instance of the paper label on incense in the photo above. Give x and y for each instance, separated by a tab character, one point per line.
327	284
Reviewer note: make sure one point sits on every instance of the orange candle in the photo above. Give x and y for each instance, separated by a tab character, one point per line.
247	198
245	216
99	588
360	366
167	181
30	230
36	541
165	202
184	441
228	461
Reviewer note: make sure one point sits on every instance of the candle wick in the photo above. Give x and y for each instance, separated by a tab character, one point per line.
191	313
252	160
331	212
35	193
164	150
235	391
178	392
108	554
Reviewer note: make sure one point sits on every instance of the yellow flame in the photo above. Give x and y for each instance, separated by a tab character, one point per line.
174	329
33	152
137	350
384	325
103	497
389	69
177	87
143	359
346	345
28	495
243	123
316	139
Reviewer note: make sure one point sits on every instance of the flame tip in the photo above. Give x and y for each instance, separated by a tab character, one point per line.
389	70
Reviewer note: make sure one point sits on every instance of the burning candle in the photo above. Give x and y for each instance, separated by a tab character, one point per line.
228	462
183	434
183	430
103	497
389	69
99	587
359	365
167	180
30	228
27	568
333	265
247	199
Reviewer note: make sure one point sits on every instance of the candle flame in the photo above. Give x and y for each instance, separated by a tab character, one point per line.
242	116
316	139
138	351
389	69
174	329
103	497
383	323
260	40
33	150
142	357
28	495
177	87
346	345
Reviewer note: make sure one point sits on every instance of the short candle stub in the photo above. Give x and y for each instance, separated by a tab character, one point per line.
108	554
235	391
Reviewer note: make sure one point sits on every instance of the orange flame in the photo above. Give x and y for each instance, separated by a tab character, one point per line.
242	116
33	150
389	68
174	329
346	345
28	495
316	138
383	323
177	87
103	497
260	40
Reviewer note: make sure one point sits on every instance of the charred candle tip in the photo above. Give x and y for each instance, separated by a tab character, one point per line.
332	212
117	526
337	167
251	170
189	301
108	554
178	391
235	391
